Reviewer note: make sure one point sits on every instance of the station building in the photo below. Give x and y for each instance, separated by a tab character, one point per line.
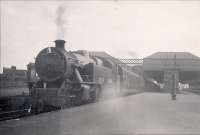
12	78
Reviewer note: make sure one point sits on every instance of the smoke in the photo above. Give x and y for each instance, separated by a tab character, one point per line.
109	93
60	22
126	54
132	54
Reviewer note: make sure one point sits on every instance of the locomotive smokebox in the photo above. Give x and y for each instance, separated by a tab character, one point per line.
60	44
52	65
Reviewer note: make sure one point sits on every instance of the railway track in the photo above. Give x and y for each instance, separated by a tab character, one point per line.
195	91
7	115
14	114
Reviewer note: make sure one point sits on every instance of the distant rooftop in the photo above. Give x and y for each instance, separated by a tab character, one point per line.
171	55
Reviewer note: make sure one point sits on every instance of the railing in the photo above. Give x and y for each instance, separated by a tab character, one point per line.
130	61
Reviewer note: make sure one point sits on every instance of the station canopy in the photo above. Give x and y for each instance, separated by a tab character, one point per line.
183	61
187	64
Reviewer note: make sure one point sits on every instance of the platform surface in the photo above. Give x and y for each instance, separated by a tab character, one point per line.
145	113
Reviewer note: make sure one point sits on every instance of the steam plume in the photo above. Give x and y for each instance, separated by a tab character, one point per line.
60	22
132	54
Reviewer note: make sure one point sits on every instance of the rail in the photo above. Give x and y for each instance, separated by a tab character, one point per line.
14	114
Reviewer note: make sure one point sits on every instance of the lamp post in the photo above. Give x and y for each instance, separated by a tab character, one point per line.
174	79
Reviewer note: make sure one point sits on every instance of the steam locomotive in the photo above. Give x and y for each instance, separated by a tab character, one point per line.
72	78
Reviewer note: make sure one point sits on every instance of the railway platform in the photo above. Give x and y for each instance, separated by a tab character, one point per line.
145	113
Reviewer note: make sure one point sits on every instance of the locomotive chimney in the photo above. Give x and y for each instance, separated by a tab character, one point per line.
60	44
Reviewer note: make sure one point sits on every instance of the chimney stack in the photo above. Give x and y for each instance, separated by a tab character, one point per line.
60	44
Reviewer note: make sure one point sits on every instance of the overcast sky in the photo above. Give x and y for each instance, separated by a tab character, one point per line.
124	29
